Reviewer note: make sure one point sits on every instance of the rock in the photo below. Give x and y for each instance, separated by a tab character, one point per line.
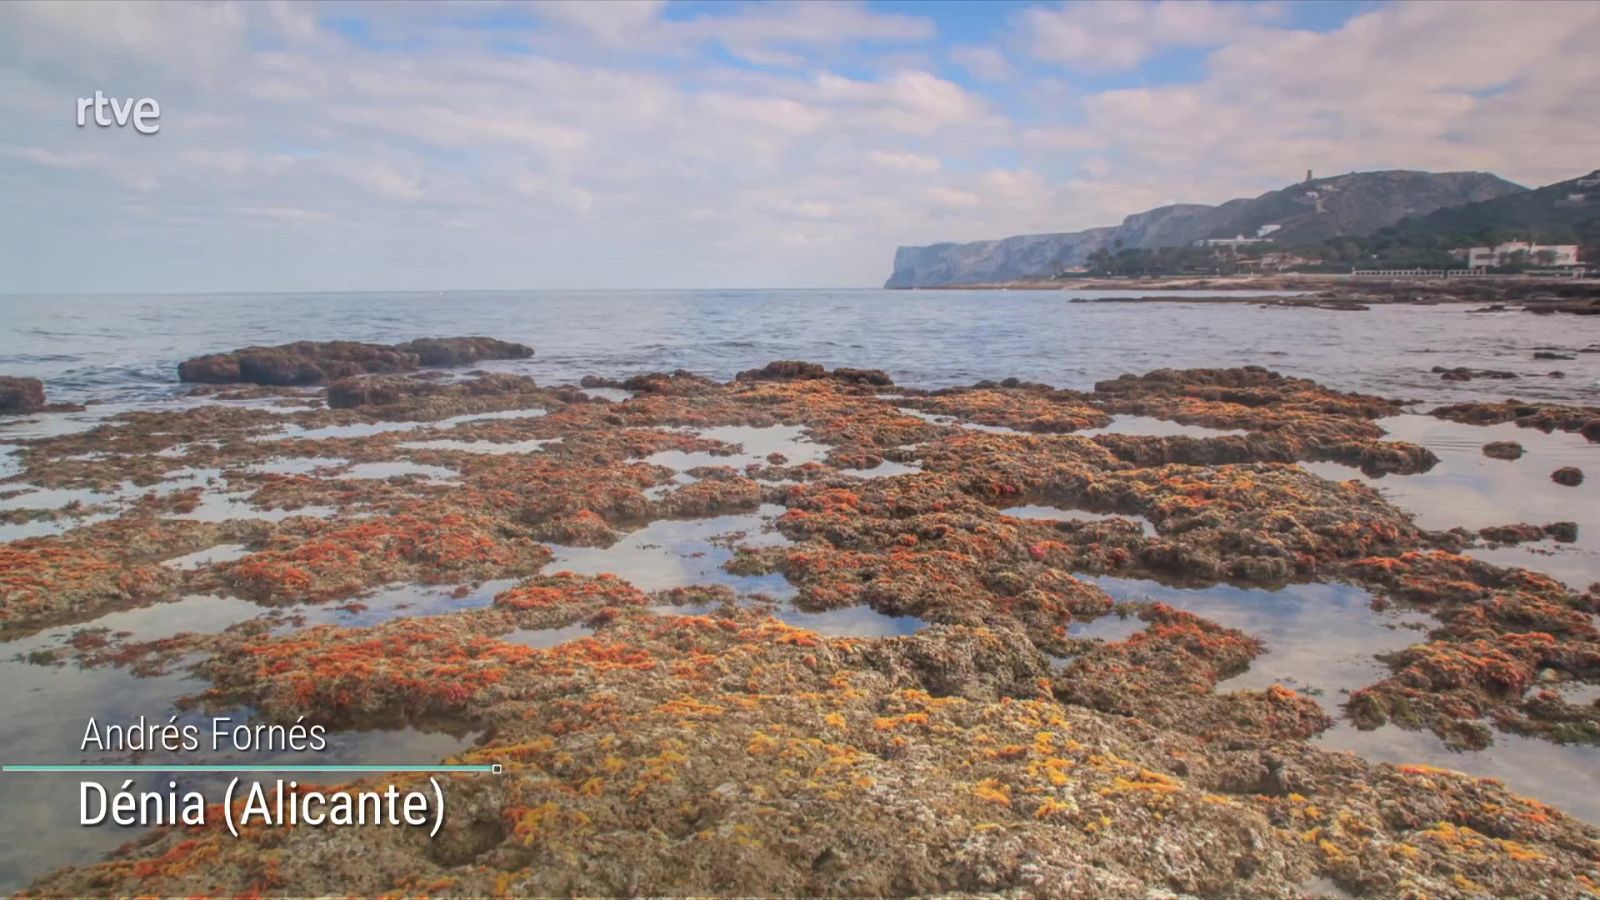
21	395
784	370
1591	430
874	377
1547	354
313	362
462	351
1502	450
348	393
1562	532
1571	476
1462	373
796	370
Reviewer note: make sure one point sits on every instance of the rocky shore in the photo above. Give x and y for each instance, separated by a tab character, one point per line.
1338	292
690	741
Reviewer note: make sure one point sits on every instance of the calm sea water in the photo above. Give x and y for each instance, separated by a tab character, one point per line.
123	348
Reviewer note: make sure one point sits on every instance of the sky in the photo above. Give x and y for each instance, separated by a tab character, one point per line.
489	145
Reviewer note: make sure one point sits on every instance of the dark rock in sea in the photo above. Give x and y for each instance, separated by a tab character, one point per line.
679	383
21	395
1462	373
874	377
313	362
1562	532
1522	532
784	370
1549	354
1503	450
461	351
1571	476
1591	430
796	370
348	393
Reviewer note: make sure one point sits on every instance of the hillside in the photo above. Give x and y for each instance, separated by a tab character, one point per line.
1560	212
1308	212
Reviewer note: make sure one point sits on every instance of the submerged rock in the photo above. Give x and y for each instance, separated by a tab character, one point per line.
1463	373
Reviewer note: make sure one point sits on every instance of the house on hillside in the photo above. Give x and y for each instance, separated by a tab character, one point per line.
1513	253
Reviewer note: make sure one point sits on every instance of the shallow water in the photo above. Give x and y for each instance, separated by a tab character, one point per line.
1473	491
755	445
48	709
1149	426
671	553
1049	513
1321	639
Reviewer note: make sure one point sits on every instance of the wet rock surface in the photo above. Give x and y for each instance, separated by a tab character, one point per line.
687	739
20	395
315	362
1568	476
1503	450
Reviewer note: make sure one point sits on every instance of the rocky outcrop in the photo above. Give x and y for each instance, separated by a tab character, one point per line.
314	362
795	370
20	395
463	351
1568	476
1502	450
1355	204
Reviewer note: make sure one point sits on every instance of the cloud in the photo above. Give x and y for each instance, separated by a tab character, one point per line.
504	145
912	163
1120	35
290	214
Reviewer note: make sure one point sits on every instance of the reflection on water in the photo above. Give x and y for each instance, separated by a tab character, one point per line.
490	447
885	469
1473	491
1051	513
1149	426
1320	639
755	443
48	709
671	553
210	556
852	621
544	638
1566	776
399	468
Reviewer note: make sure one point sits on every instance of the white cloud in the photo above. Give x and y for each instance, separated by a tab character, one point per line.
983	62
911	163
1120	34
447	153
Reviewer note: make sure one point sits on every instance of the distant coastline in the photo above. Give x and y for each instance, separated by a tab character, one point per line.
1542	294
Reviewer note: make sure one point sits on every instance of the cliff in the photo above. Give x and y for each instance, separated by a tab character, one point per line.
1355	204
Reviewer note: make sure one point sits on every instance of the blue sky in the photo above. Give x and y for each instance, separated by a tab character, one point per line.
347	145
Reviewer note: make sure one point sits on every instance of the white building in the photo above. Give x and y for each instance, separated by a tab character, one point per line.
1237	241
1508	252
